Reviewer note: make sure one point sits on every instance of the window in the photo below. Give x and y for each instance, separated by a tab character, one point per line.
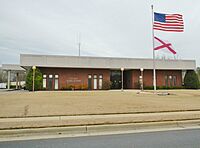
115	78
166	81
51	76
171	81
89	76
95	81
100	81
89	82
44	81
56	82
174	80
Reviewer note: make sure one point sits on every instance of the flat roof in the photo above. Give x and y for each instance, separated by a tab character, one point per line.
60	61
13	67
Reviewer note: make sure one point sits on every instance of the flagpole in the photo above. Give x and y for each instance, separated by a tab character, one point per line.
153	43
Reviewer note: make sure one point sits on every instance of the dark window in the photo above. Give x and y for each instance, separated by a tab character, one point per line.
174	80
171	81
89	82
50	82
166	81
115	79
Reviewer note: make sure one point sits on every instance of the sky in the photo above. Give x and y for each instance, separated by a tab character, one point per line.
111	28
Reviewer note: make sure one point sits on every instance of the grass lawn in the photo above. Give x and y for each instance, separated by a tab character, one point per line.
20	104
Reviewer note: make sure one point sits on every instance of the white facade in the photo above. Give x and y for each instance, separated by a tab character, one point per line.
28	60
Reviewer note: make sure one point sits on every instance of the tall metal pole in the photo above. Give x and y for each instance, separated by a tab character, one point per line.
34	67
154	64
79	49
122	69
33	79
79	44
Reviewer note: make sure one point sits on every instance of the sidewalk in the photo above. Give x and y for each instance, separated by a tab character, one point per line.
85	120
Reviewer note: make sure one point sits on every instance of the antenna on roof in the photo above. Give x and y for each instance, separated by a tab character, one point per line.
79	44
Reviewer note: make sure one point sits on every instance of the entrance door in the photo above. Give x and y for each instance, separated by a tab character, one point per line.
95	81
89	82
115	78
50	82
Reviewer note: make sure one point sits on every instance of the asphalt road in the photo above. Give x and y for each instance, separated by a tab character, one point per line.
168	139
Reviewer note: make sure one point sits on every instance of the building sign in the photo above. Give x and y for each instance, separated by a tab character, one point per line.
73	80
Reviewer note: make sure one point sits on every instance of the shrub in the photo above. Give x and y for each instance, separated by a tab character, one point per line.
163	87
191	80
148	87
38	80
106	85
74	87
84	87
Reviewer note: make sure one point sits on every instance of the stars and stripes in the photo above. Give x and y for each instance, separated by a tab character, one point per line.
168	22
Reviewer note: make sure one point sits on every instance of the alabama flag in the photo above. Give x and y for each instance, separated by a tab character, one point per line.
163	45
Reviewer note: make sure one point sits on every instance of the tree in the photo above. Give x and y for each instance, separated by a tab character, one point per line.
3	76
38	80
198	72
191	80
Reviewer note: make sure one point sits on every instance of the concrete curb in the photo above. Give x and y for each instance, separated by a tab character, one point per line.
74	130
66	121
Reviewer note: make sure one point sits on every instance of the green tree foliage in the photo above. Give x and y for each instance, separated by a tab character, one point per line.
198	72
1	76
191	80
38	80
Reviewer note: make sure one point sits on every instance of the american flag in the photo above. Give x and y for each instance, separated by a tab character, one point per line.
168	22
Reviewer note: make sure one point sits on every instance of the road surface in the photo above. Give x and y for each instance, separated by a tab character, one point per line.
189	138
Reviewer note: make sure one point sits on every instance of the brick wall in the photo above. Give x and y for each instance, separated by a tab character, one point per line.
79	77
74	76
160	77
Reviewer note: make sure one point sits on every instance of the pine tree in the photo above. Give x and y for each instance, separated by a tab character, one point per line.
38	80
191	80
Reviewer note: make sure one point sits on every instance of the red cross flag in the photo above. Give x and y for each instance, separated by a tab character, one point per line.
163	44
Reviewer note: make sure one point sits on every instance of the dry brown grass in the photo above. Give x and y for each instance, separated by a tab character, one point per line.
15	104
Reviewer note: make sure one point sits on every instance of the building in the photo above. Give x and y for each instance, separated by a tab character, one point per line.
80	72
14	73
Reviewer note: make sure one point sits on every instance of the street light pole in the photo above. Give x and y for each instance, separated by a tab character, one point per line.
122	69
34	67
